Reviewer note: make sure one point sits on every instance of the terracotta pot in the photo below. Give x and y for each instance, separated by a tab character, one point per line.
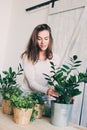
6	107
22	116
40	109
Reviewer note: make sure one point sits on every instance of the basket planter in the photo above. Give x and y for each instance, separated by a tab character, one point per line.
39	108
22	116
6	107
60	114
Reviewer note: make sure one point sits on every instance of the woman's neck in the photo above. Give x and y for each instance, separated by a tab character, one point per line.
42	55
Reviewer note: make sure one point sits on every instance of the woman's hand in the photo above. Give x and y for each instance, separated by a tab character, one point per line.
51	92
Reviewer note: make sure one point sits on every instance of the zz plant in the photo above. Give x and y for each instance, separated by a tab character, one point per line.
65	82
8	82
38	97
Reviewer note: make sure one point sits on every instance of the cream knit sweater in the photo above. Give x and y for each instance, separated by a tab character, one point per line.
34	80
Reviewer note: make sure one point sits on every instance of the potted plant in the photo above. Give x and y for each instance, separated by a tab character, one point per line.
8	81
65	83
39	107
22	107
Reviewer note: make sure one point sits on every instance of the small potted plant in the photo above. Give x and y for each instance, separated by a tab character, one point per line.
39	107
8	87
22	107
65	83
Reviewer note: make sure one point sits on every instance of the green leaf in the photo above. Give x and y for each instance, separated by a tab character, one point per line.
75	57
66	67
47	78
64	70
67	100
72	79
77	65
53	67
59	75
78	62
50	83
19	74
20	65
5	72
10	69
75	92
52	72
51	63
46	75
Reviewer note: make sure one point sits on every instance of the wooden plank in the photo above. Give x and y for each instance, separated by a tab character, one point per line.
65	5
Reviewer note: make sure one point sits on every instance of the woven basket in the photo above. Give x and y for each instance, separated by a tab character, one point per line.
40	109
6	107
22	116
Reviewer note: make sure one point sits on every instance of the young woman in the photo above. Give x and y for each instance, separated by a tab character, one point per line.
36	61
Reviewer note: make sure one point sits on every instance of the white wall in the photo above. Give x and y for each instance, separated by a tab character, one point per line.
5	15
16	28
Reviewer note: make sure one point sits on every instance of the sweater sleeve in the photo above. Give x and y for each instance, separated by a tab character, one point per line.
29	73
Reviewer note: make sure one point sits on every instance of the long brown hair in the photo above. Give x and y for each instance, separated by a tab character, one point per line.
32	49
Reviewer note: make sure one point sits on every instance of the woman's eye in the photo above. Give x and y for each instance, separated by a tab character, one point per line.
42	38
38	38
46	38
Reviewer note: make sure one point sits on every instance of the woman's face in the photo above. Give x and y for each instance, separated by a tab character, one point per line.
43	40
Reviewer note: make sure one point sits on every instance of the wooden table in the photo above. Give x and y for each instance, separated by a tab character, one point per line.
7	123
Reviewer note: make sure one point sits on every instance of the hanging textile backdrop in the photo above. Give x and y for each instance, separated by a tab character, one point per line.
68	22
